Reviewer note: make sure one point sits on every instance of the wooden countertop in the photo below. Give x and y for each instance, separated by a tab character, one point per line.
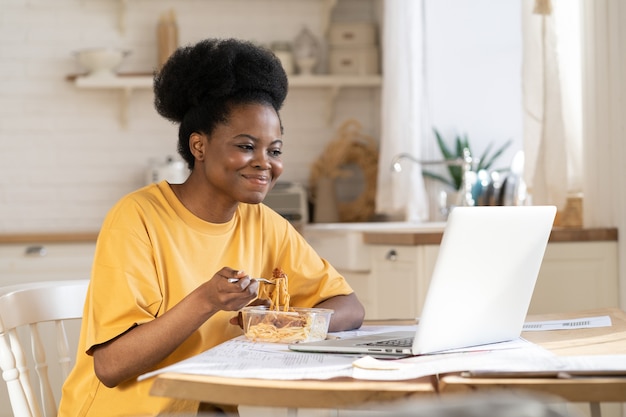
559	234
49	238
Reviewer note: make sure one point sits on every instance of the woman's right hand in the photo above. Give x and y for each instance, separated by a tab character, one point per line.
143	346
231	296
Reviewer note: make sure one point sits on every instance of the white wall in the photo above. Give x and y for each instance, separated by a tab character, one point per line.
64	156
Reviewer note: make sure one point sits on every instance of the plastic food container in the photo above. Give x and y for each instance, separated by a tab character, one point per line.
261	324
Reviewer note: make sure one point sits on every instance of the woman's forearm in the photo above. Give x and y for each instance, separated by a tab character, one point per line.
144	346
348	315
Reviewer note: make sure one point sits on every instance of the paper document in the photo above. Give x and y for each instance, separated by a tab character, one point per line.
245	359
581	323
565	367
242	358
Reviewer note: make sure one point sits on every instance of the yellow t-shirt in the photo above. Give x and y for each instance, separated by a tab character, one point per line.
152	252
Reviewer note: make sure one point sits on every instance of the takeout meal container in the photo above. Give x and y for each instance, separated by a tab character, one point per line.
260	324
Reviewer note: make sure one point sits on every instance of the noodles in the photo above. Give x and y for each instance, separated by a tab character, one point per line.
280	328
278	294
282	323
297	325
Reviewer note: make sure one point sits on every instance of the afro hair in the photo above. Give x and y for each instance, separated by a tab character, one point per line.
199	84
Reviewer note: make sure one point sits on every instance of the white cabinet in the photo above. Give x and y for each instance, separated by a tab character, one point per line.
395	289
398	281
394	286
577	276
26	262
392	280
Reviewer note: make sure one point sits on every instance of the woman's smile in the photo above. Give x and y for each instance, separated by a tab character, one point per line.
258	179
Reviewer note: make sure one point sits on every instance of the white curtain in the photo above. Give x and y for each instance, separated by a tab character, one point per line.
551	100
403	111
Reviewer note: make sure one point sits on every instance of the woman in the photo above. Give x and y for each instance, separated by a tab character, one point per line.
159	290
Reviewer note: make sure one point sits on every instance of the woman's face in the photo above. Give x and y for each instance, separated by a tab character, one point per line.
241	160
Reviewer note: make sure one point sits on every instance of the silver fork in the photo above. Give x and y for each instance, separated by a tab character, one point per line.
265	280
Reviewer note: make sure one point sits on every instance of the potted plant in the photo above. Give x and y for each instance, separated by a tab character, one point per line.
484	162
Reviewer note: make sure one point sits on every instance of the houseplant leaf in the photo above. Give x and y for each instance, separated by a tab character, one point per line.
489	161
456	152
438	177
447	154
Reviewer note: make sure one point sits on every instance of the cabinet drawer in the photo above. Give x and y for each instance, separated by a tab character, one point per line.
44	262
395	278
384	253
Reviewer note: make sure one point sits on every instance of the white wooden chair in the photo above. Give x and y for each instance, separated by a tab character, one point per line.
25	306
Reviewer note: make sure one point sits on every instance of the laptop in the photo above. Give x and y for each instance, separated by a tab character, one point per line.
480	289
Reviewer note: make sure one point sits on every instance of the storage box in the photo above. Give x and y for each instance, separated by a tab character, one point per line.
354	60
352	34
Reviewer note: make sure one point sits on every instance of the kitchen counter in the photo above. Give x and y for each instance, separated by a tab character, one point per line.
49	237
582	260
430	237
382	236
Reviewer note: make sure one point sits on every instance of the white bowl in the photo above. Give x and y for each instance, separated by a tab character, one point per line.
101	62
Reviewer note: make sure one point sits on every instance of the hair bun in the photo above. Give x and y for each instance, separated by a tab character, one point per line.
217	70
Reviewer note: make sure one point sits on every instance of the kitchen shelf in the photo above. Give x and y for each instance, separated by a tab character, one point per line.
144	80
120	81
126	83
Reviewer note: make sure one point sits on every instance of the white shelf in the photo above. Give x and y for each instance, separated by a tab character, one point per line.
335	81
298	81
114	82
127	83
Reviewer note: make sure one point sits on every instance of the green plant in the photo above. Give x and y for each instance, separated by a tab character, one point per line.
485	161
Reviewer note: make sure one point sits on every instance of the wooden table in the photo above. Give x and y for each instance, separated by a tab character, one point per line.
333	393
347	392
596	341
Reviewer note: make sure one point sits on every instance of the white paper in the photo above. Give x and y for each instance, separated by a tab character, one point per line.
245	359
581	323
526	356
242	358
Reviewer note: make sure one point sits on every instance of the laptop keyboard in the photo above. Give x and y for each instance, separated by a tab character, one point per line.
404	342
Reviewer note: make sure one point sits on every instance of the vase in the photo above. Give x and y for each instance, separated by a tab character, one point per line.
306	51
326	210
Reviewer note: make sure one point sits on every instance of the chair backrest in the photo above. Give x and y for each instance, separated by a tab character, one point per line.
23	310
